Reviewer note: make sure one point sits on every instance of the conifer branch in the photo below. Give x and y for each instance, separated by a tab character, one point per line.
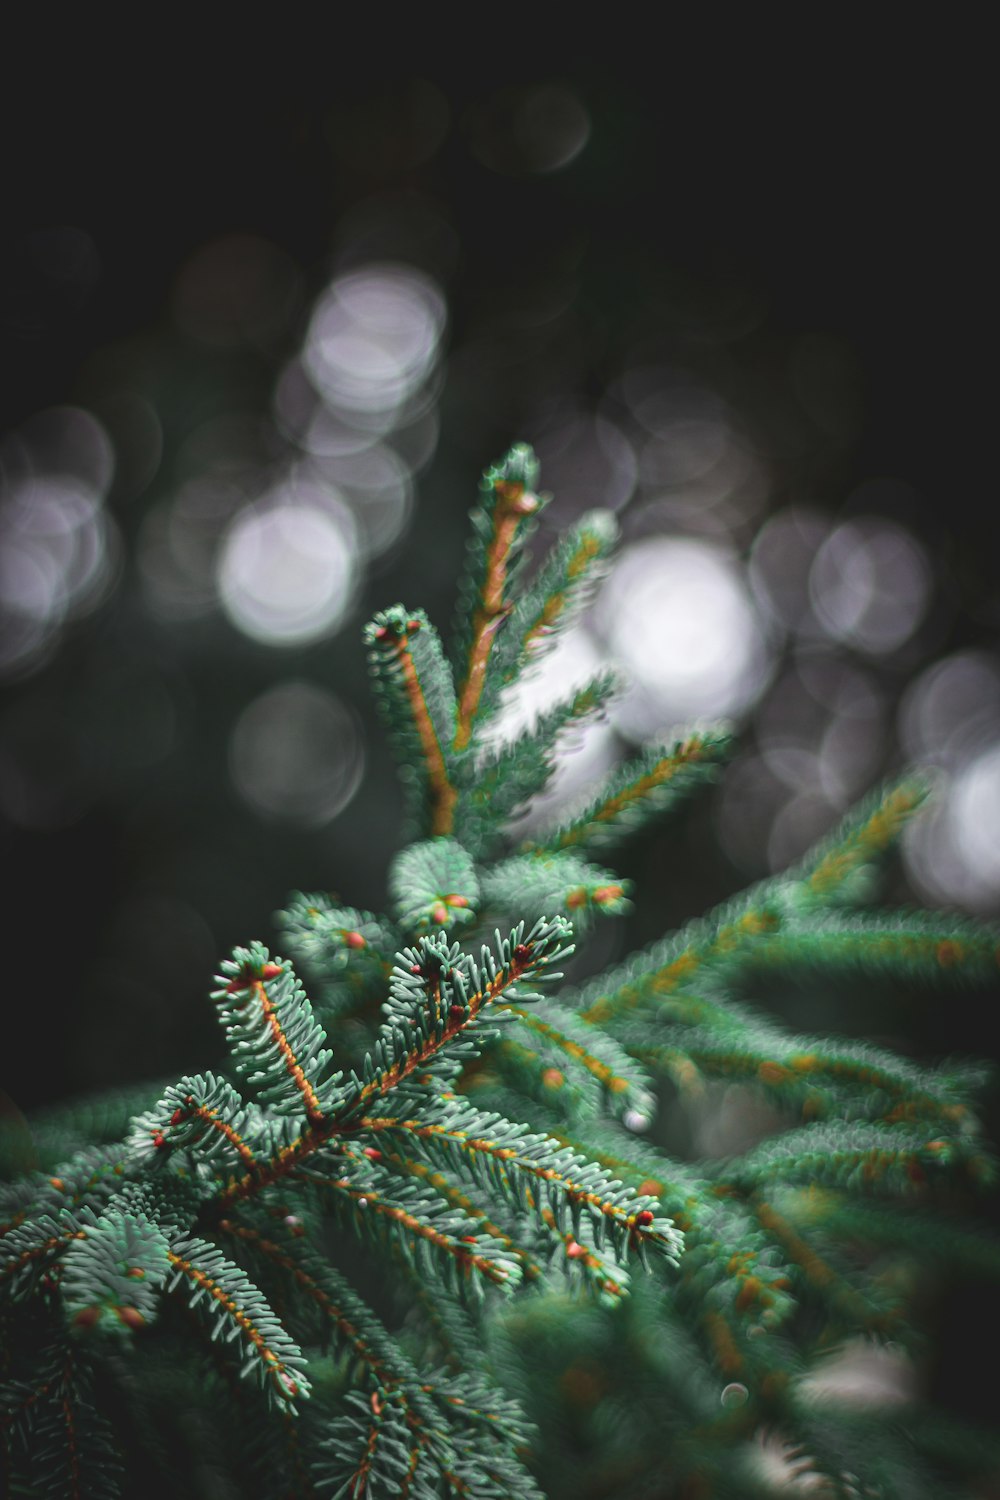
923	946
239	1310
566	1040
493	1152
511	774
417	696
354	1325
488	1140
564	584
275	1040
641	788
501	521
862	836
859	1311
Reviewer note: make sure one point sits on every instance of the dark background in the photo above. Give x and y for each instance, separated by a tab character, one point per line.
739	192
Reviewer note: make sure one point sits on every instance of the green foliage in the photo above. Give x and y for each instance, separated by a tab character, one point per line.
553	1302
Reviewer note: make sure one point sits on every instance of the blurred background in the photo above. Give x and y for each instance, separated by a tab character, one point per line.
266	313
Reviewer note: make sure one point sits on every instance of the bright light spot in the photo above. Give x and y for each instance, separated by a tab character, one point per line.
678	616
953	851
870	584
286	570
296	754
976	800
374	336
953	708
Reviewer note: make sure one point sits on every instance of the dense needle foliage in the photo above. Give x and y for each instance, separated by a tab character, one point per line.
559	1307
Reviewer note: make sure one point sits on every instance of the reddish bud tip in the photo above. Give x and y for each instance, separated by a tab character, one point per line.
372	1153
376	1404
177	1117
136	1273
606	893
644	1218
58	1184
456	1012
271	971
553	1078
158	1139
354	940
87	1317
522	953
413	626
575	1250
381	632
416	969
440	913
131	1317
457	900
577	898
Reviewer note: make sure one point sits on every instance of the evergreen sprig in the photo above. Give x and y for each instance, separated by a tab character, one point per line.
585	1314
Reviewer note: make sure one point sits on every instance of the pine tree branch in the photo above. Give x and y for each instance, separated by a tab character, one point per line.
500	521
241	1311
641	788
417	695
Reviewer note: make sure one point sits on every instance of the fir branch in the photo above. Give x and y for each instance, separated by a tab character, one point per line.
274	1038
459	991
555	884
567	1041
922	946
858	1310
434	886
851	1078
862	1157
71	1454
349	1319
421	1222
494	1153
862	836
511	774
240	1311
349	952
112	1276
455	1198
564	584
501	521
674	962
647	786
30	1249
206	1116
414	687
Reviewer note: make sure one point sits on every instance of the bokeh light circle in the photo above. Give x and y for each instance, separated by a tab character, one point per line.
676	613
286	571
296	754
